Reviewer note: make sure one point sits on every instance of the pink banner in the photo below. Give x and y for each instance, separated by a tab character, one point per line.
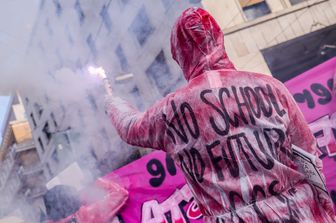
157	192
314	92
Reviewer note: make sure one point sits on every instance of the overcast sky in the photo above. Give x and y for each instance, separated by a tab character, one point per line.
17	19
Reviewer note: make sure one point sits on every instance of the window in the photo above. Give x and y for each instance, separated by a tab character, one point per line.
122	59
38	109
92	102
167	3
125	2
80	12
141	26
294	2
69	36
33	119
40	144
104	133
93	153
66	137
90	42
81	117
49	170
106	138
159	72
42	4
106	18
254	8
54	156
58	7
53	119
46	132
136	94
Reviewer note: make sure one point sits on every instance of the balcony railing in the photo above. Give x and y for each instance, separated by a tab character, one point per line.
23	171
23	146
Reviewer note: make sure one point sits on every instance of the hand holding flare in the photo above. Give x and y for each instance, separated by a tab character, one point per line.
100	72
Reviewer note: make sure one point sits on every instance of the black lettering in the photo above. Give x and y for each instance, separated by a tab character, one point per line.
235	121
269	160
269	141
279	143
254	101
120	218
275	102
215	160
292	213
184	166
215	127
320	90
155	168
194	132
170	165
333	196
271	188
170	132
266	110
232	197
303	97
241	148
241	104
233	167
181	205
199	165
330	83
181	132
258	189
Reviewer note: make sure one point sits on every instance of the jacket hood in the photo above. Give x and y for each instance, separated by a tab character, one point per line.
197	43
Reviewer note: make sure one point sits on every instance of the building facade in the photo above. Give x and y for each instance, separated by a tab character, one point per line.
22	181
282	37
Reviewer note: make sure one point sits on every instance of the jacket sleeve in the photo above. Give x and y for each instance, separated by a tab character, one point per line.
301	136
144	129
106	208
298	130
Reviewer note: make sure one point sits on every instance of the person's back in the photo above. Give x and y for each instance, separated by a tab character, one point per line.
231	135
230	132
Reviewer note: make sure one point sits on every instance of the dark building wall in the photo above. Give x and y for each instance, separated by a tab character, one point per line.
291	58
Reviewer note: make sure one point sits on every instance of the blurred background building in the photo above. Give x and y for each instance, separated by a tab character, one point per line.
130	40
279	37
22	181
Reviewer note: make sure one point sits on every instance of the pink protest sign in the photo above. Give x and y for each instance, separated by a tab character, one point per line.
157	192
314	92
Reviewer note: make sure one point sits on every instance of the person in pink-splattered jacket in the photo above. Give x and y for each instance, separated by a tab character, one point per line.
229	131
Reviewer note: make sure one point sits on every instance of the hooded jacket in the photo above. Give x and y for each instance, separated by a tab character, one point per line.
229	131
